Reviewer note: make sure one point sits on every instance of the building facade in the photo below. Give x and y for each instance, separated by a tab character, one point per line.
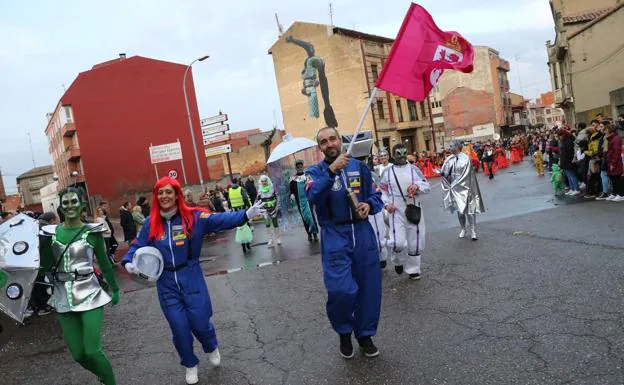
587	57
107	119
476	106
29	185
324	77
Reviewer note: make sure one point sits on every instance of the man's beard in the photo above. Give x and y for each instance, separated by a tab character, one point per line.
330	158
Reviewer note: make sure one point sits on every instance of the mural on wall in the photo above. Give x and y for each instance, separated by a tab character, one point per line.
311	66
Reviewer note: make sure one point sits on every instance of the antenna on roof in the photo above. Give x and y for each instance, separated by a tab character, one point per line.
280	29
32	153
331	15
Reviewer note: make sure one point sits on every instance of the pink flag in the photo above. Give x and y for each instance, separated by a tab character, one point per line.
420	54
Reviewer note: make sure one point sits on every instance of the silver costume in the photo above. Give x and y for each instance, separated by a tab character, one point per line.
76	287
461	192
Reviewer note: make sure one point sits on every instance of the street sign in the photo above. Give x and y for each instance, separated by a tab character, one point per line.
208	131
173	173
216	139
223	149
213	120
165	152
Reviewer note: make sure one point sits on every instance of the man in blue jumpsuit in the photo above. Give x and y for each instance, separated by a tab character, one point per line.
348	245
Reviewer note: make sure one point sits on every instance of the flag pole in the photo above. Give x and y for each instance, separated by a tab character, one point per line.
372	97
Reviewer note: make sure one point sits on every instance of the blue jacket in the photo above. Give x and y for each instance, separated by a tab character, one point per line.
174	243
327	191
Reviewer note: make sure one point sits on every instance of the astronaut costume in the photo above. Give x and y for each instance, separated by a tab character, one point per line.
348	246
461	190
406	239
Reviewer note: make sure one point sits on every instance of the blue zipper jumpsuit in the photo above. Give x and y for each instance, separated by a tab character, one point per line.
349	247
182	289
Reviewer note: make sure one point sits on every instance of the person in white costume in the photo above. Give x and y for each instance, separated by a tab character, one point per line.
406	239
384	161
379	220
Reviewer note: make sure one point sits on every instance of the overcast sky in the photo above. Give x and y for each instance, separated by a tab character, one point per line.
45	44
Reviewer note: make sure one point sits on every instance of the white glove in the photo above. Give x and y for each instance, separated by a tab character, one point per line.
256	210
130	268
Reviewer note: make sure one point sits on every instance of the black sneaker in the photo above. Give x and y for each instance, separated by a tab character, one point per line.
315	237
346	347
602	197
414	277
398	269
383	264
368	347
45	310
310	238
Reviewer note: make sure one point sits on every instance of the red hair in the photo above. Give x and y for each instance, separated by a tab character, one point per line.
156	221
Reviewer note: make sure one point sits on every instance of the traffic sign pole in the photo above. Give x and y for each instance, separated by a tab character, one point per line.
182	163
229	164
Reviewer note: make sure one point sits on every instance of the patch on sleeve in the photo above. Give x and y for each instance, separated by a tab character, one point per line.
204	215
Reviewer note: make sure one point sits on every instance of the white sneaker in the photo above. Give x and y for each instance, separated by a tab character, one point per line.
611	198
574	193
462	234
191	375
569	192
215	357
618	198
582	186
270	243
279	241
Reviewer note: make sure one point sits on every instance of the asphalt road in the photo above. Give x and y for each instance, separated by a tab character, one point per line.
537	300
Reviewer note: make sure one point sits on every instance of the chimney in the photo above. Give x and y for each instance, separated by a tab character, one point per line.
122	56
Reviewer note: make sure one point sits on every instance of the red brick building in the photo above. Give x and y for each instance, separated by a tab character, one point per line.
465	108
105	122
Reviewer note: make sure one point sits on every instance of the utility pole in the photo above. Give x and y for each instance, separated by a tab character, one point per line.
32	153
522	118
331	15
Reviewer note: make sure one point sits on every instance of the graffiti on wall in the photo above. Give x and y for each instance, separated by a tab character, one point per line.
313	76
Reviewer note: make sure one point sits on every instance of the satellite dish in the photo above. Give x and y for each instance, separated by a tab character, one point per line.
496	136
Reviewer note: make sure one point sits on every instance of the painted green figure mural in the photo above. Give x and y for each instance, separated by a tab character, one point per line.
312	66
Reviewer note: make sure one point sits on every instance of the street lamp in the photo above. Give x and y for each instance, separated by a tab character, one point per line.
188	114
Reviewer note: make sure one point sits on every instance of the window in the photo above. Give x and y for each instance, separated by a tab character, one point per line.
547	111
386	143
428	144
67	110
422	110
549	120
411	107
375	72
399	110
380	109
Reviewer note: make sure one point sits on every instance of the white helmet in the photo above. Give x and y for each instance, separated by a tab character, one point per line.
148	261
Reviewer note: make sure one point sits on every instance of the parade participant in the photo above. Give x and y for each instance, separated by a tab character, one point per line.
400	184
177	231
349	252
239	200
379	221
501	159
488	161
384	159
267	195
298	195
68	253
461	190
556	180
472	155
538	160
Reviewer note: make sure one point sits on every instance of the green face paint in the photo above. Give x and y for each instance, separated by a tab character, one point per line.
71	205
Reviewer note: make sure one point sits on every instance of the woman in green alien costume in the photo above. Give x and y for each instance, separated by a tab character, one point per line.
67	255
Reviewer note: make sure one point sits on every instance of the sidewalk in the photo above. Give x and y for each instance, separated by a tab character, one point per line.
534	301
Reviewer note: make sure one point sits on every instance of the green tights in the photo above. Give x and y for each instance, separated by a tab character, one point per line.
81	331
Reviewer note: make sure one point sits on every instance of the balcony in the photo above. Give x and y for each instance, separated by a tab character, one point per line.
73	153
503	64
68	129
